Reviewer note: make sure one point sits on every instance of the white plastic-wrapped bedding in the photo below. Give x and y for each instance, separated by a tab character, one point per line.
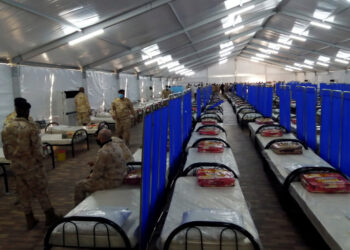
329	213
199	124
263	141
187	196
293	127
253	127
196	136
55	139
203	115
283	165
96	119
124	196
2	157
225	158
64	128
103	114
249	116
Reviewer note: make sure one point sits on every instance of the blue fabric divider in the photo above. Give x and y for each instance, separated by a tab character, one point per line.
285	108
187	116
146	178
269	101
199	103
311	100
250	95
164	122
326	97
335	137
155	162
300	103
175	134
345	136
215	105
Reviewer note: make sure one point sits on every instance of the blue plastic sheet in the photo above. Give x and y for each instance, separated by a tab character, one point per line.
336	106
155	161
326	96
199	103
311	99
300	103
345	136
164	122
269	101
146	177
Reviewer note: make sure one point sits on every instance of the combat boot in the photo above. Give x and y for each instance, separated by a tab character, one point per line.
31	221
51	217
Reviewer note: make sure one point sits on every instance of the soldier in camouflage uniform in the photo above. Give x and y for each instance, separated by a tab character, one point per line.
127	155
13	115
22	146
166	92
108	171
83	108
122	111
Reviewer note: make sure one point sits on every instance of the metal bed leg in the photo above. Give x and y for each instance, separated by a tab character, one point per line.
5	178
73	153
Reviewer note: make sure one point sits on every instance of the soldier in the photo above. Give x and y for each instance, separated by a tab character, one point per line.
108	171
166	92
83	107
13	115
22	146
122	111
127	155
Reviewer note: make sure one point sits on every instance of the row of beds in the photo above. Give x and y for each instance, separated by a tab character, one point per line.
56	135
79	230
329	213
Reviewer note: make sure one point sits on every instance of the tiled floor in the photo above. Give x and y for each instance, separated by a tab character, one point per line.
13	234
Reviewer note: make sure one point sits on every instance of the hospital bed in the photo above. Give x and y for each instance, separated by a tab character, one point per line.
246	115
196	137
208	233
55	128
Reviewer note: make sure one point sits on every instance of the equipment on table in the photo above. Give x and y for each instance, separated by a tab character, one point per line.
211	147
325	183
211	177
287	147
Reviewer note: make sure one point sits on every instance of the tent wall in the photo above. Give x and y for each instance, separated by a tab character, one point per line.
145	83
6	94
157	87
131	86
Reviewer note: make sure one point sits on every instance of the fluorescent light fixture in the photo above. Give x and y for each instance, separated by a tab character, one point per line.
288	69
323	15
324	59
322	64
151	61
163	66
298	64
177	68
86	37
223	61
299	38
343	55
231	20
321	25
242	10
307	66
165	59
181	71
234	30
229	4
226	50
268	51
341	61
274	46
309	62
284	46
292	67
173	64
225	54
284	40
226	45
262	55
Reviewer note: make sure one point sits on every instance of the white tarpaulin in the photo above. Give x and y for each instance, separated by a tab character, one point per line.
145	83
157	87
131	86
102	89
6	94
43	88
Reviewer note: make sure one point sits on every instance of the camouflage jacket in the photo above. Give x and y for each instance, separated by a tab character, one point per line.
110	164
82	103
122	109
22	145
11	117
166	93
127	155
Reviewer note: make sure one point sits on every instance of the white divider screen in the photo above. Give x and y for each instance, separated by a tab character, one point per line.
102	89
43	88
157	87
6	94
145	83
131	86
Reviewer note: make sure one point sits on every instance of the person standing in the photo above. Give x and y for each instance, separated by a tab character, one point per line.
122	112
13	115
83	108
108	171
166	92
22	146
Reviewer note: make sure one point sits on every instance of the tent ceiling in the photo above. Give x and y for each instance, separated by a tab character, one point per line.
191	31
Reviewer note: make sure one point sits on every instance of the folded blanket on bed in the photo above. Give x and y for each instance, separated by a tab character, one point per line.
211	147
287	148
211	177
325	183
209	131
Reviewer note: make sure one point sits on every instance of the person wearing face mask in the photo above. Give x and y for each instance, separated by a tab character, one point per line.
22	146
122	112
108	171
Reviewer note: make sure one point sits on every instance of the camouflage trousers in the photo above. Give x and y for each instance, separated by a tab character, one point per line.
123	130
30	185
87	186
83	118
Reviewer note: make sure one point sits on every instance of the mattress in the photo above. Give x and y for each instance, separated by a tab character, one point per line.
96	119
196	136
2	158
225	158
199	124
103	115
249	116
55	139
282	165
64	128
124	196
263	141
327	212
188	195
